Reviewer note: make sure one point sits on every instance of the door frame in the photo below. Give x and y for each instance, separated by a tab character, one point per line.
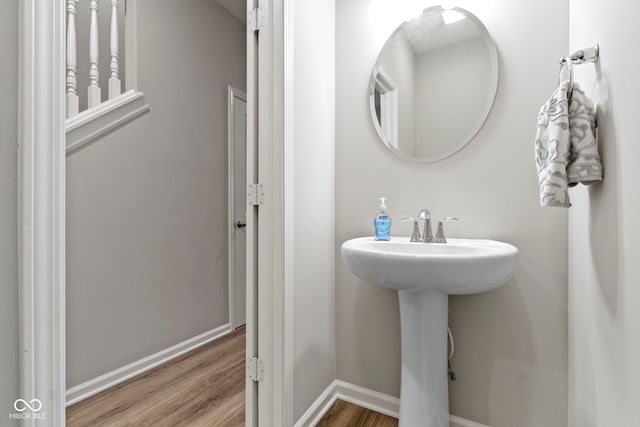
270	134
41	217
41	183
232	95
269	163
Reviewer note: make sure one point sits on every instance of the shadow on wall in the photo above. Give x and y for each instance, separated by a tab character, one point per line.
370	300
604	199
520	371
496	352
496	345
602	207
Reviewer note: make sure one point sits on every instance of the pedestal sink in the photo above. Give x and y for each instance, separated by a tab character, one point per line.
425	274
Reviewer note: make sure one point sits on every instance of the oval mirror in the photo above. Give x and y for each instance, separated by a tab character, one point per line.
433	84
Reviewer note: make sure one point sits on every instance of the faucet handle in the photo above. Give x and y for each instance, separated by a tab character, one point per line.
415	234
440	238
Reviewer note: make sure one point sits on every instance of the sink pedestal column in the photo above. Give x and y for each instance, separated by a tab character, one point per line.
424	388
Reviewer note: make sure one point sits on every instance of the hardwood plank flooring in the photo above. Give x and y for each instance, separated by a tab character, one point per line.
204	387
343	414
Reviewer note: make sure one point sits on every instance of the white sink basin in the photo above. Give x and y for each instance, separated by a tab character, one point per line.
425	274
460	266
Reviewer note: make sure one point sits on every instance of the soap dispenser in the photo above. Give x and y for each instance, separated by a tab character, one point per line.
382	222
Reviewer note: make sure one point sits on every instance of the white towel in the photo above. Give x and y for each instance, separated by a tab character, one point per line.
584	161
566	147
552	148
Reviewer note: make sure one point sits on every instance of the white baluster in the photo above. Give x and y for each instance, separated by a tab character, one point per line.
94	95
131	45
114	80
72	94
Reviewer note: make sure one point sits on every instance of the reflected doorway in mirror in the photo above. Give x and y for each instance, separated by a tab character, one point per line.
385	94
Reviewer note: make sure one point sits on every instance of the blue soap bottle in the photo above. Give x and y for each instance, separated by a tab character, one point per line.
382	222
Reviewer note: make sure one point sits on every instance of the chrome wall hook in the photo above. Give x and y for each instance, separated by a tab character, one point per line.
582	56
590	54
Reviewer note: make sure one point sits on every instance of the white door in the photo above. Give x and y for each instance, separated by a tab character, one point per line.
238	204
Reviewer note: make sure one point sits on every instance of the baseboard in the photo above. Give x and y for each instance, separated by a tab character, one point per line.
110	379
461	422
364	397
318	408
367	398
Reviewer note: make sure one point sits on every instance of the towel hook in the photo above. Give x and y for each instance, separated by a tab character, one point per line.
590	54
582	56
587	55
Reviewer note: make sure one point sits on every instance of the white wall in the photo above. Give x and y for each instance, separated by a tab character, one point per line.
9	363
314	206
146	224
604	228
511	344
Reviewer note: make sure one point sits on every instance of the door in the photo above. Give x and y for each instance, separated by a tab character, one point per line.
238	205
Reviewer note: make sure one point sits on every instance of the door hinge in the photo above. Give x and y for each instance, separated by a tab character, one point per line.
255	19
255	194
255	369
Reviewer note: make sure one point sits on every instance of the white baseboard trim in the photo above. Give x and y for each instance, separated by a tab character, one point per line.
117	376
364	397
461	422
367	398
318	408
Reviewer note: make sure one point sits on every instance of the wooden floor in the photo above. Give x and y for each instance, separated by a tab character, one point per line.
343	414
202	388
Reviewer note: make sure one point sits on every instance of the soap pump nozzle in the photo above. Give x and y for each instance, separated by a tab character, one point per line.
383	204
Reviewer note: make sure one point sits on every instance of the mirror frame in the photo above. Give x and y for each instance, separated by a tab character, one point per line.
493	88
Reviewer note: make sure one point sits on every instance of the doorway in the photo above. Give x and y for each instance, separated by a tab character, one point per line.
42	210
237	202
146	217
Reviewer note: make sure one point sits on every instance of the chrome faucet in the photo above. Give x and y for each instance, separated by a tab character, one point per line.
427	234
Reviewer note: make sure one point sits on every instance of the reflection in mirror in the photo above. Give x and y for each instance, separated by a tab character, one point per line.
433	84
385	95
